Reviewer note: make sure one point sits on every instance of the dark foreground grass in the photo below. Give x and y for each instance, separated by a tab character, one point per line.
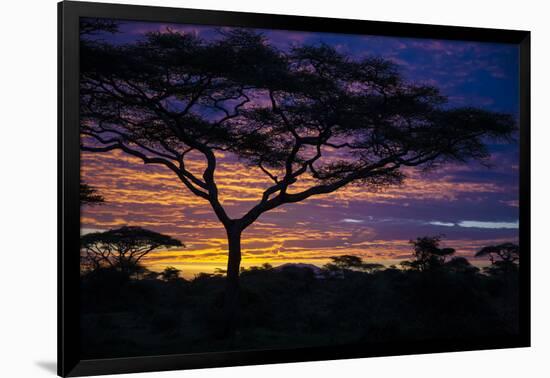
123	317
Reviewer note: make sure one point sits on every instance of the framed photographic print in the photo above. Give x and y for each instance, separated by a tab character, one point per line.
241	188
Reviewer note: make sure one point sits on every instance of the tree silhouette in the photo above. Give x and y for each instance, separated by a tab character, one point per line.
170	274
310	119
428	255
90	195
346	262
504	257
372	267
123	248
350	262
459	264
263	267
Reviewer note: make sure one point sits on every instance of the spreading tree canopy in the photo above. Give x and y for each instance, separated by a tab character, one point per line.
508	252
428	255
351	262
504	257
123	248
310	111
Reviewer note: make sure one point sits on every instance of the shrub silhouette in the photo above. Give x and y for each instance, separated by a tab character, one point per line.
292	307
460	264
170	274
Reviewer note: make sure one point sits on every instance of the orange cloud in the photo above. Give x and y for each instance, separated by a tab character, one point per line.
152	197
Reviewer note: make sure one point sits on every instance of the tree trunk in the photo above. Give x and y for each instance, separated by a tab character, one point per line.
231	305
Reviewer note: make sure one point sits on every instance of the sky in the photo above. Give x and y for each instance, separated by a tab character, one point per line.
470	204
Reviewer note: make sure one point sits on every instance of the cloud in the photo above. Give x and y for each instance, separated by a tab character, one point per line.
478	224
351	220
374	225
511	203
444	224
89	230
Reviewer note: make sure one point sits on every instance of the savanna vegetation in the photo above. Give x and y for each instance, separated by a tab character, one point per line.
130	311
308	114
310	120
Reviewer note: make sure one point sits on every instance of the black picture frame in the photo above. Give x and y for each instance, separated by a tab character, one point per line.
69	362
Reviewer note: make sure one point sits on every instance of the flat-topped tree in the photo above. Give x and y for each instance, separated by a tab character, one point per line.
504	257
350	262
123	248
304	113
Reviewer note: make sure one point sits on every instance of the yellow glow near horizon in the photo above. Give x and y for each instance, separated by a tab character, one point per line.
309	232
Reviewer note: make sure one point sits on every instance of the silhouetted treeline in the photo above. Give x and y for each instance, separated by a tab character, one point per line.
432	296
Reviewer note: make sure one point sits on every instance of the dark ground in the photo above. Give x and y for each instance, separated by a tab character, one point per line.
124	317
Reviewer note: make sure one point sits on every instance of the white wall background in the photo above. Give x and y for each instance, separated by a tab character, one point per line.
28	186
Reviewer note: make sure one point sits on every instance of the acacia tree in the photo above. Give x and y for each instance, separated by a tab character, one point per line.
428	255
123	248
350	262
504	257
312	120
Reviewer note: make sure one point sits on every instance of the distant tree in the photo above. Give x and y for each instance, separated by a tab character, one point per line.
308	115
427	254
267	266
123	248
263	267
350	262
170	274
150	275
90	195
202	276
459	264
504	257
345	262
218	272
372	267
